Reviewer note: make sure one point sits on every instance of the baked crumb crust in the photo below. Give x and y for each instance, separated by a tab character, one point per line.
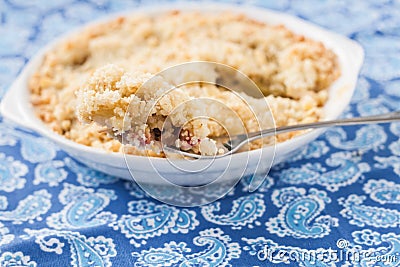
291	70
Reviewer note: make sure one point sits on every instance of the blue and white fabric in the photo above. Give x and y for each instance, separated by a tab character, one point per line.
339	196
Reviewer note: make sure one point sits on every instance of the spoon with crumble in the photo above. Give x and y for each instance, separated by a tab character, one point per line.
234	143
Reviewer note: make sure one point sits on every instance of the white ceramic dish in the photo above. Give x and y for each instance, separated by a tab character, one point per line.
17	108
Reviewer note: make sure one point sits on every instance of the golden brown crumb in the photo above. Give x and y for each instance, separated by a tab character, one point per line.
291	70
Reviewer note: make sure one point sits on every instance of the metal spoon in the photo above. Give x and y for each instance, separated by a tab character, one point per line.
238	141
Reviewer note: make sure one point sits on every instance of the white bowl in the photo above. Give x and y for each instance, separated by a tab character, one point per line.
17	108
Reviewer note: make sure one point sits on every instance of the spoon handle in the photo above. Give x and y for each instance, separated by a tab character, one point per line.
382	118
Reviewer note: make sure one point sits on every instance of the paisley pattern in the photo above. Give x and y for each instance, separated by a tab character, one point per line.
340	193
33	149
373	249
88	177
366	237
347	170
8	259
314	150
361	215
218	253
134	190
10	173
378	105
29	209
299	215
245	211
383	191
83	208
147	220
367	137
85	251
383	256
390	162
267	183
51	172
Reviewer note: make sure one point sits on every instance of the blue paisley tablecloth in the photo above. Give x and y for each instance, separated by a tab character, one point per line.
335	204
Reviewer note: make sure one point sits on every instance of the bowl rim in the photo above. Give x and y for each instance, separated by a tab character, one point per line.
16	106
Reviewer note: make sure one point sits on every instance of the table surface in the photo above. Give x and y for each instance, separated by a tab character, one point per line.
338	196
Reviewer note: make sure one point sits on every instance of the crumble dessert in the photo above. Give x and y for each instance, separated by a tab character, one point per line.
138	107
292	71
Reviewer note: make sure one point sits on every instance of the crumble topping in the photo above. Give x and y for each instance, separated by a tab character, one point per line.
76	85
